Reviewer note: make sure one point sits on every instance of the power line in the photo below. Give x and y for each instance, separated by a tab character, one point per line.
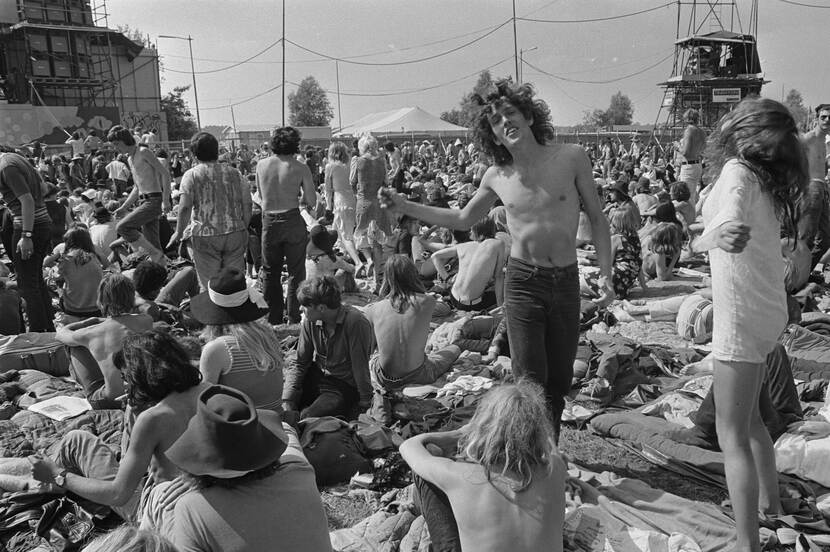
408	62
608	81
254	97
803	5
596	19
237	64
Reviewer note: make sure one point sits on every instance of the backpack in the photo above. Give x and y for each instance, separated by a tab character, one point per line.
34	351
333	449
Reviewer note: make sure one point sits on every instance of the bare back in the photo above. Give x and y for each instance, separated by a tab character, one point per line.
816	149
106	338
280	180
528	521
401	337
542	204
477	263
692	144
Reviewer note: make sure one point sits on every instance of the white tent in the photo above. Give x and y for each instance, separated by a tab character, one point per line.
403	121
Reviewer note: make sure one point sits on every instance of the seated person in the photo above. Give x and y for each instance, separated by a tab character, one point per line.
661	251
330	376
80	271
11	306
251	487
128	538
626	255
400	322
163	388
154	284
663	212
496	484
241	349
93	342
680	196
643	198
320	259
480	265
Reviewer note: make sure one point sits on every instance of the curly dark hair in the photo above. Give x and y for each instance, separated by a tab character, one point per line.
762	135
121	134
285	141
149	277
154	364
521	97
320	290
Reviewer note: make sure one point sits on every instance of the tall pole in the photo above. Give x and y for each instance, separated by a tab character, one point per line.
283	62
339	110
193	74
515	42
233	121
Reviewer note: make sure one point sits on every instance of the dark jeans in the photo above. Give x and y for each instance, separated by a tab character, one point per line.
541	305
30	278
144	219
327	396
435	506
284	239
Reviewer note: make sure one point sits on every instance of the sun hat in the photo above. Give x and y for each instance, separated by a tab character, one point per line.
228	437
90	194
228	300
620	187
322	239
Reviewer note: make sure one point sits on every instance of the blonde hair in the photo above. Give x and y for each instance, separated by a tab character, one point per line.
367	143
128	538
511	433
623	221
256	338
338	152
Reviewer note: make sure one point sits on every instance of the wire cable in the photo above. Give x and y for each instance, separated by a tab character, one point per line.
408	62
597	19
252	98
608	81
804	5
237	64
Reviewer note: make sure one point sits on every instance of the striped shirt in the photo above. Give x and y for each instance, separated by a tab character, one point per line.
264	388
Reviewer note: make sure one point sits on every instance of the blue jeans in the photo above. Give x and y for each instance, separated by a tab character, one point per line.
541	305
30	278
144	219
284	240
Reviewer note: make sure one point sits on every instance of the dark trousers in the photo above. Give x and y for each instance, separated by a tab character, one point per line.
30	278
435	506
327	396
541	305
144	219
284	239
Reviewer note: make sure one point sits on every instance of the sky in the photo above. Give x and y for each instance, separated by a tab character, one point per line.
380	43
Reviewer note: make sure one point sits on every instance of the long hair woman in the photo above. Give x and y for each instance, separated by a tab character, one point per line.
242	350
340	198
761	170
81	272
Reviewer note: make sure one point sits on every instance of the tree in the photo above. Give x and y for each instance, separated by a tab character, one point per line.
135	35
454	116
595	119
180	122
795	103
309	104
621	111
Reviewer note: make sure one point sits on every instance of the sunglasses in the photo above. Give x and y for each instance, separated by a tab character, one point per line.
824	117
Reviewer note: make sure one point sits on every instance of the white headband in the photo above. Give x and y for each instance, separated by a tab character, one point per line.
238	298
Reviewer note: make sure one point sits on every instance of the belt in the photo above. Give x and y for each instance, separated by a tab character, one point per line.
149	195
466	303
692	162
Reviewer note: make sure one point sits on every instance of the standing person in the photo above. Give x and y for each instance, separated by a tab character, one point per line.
814	205
77	144
762	170
280	179
395	176
690	153
541	185
140	228
497	483
220	203
609	155
119	173
31	234
340	198
372	228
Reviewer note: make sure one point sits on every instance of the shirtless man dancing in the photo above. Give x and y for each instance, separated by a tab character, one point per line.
814	209
480	262
140	228
690	153
401	325
280	178
93	341
541	185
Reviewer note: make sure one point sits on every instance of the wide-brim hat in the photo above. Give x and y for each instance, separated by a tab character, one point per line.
620	187
228	300
77	158
90	194
322	239
228	437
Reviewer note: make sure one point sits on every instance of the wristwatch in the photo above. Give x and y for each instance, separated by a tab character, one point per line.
27	233
60	479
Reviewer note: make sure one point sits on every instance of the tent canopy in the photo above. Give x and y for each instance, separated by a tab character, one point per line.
406	120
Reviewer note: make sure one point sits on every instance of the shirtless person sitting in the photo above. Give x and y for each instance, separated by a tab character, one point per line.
140	228
541	185
163	387
480	263
813	208
93	341
401	325
496	484
280	179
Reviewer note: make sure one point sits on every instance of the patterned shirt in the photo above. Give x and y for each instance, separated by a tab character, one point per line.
221	199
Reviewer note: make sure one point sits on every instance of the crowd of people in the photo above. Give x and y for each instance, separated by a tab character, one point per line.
112	245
